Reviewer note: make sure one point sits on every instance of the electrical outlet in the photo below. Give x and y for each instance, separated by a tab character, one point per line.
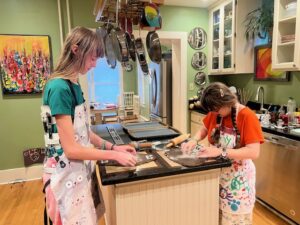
191	86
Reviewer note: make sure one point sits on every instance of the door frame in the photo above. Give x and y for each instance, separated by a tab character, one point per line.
179	77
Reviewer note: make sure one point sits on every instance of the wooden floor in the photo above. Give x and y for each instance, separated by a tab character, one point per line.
23	204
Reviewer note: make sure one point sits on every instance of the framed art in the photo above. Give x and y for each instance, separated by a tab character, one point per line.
25	63
263	65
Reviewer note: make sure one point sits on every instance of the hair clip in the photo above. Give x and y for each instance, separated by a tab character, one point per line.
221	92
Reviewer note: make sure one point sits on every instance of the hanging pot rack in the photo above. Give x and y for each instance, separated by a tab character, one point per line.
105	10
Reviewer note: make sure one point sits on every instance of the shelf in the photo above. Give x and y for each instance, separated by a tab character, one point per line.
216	40
229	36
291	19
286	43
216	24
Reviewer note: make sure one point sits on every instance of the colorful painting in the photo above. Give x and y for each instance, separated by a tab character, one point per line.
263	65
25	63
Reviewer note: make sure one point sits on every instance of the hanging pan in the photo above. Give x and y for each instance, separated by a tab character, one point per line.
140	52
153	47
109	52
119	41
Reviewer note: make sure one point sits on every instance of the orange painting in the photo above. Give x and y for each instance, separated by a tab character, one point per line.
263	65
25	63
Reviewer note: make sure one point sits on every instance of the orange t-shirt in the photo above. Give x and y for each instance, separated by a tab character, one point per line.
247	124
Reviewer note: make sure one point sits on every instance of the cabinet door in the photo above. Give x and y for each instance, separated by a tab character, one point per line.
221	33
286	35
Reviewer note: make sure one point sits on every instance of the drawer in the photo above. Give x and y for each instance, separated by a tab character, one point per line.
197	117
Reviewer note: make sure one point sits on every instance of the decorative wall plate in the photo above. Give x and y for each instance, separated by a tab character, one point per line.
199	61
200	78
197	38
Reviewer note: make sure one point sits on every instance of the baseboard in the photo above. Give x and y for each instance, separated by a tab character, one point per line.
21	174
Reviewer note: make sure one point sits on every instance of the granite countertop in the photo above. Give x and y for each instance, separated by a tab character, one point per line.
161	167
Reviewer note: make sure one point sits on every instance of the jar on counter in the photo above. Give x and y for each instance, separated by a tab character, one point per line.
291	108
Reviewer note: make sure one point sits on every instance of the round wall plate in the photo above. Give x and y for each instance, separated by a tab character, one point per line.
199	60
200	78
197	38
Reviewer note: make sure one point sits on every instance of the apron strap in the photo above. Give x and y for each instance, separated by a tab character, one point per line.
46	219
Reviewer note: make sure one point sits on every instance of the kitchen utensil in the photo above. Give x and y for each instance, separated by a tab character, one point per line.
175	141
109	51
188	160
156	145
140	52
153	47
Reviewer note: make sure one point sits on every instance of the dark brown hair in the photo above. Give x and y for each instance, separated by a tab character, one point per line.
217	95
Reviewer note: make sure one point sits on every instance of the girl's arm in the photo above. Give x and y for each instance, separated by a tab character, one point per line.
73	150
250	151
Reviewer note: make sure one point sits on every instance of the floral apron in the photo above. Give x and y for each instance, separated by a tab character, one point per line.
237	183
74	183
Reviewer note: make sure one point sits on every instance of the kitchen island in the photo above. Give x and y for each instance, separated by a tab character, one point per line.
160	192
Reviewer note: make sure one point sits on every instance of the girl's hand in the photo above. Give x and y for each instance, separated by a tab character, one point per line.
187	147
210	151
125	148
125	158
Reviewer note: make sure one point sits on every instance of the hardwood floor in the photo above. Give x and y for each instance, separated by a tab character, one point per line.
23	203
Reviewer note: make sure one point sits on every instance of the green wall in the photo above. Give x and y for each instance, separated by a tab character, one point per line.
275	92
20	125
184	19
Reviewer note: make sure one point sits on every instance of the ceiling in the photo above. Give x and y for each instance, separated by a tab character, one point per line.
190	3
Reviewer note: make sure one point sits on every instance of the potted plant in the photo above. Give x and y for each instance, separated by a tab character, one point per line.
259	22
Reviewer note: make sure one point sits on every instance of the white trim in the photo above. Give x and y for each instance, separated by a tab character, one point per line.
179	50
21	174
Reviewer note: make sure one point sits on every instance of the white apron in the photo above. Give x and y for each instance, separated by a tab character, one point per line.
237	183
74	182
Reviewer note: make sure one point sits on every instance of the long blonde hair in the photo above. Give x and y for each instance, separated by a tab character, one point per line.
69	64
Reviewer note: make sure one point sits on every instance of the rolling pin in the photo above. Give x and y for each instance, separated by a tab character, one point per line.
140	145
178	140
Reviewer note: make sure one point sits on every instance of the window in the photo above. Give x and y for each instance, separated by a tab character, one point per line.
104	83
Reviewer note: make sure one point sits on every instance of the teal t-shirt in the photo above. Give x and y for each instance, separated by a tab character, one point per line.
58	96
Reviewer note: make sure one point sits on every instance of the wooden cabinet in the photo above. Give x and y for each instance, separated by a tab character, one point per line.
286	30
196	124
229	52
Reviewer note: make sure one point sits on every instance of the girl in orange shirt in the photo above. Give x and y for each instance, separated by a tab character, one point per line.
233	132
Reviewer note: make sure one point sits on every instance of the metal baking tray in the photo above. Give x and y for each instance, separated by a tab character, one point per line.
149	130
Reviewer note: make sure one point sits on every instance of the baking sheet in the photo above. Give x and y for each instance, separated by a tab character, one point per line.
149	130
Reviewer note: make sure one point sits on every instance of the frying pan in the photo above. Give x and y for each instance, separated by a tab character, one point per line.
153	46
140	51
119	44
109	52
126	25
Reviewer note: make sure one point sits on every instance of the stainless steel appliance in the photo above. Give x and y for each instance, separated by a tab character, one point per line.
161	90
278	175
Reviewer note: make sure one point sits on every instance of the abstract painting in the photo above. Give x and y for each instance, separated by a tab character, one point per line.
25	63
263	65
